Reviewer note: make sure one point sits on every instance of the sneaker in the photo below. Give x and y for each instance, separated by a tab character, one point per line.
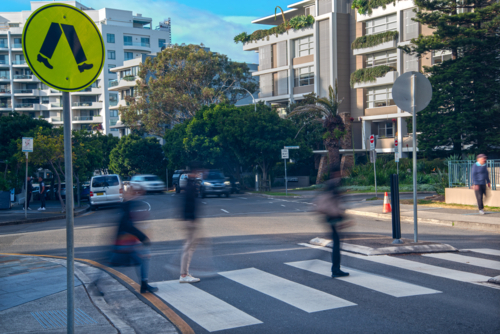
481	212
40	209
339	273
145	287
188	279
43	209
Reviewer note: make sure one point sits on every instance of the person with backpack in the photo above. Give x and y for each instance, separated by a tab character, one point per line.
480	179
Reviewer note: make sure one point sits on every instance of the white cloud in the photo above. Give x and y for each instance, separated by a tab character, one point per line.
191	25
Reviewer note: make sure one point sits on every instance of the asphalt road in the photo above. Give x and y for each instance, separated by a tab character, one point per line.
256	278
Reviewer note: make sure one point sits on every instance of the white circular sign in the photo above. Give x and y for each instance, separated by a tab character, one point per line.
402	91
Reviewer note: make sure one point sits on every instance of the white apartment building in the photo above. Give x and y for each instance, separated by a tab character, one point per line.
126	36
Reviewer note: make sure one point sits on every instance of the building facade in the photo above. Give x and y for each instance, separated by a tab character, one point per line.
126	36
308	60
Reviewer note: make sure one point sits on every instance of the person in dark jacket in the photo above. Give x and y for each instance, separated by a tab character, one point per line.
126	251
29	186
480	179
332	186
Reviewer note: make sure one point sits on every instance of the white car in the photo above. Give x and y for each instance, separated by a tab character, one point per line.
105	189
147	183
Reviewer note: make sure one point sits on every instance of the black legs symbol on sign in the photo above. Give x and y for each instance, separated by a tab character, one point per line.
52	39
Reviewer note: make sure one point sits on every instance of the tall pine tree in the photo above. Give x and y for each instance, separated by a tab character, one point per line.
464	112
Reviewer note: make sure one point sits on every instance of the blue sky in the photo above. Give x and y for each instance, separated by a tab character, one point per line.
213	23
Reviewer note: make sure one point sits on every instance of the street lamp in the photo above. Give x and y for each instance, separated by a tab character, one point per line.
255	105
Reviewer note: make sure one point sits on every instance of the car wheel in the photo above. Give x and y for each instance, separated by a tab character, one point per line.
93	207
228	194
177	189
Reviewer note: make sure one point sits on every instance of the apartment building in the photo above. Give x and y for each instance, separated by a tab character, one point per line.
308	60
126	36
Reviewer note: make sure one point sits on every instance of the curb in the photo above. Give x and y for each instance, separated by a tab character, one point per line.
451	223
391	250
40	220
148	298
343	194
273	196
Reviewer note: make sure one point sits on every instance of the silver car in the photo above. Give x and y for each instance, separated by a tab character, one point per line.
147	183
105	189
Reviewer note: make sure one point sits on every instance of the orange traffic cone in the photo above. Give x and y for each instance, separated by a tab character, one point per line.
387	205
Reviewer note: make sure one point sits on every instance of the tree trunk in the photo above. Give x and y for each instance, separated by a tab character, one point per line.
58	187
323	163
5	171
77	189
346	143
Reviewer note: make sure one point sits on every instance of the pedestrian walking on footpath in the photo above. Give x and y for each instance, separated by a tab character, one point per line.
480	179
329	204
127	250
29	187
42	194
190	207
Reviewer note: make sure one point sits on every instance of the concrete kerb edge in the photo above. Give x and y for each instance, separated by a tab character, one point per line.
155	303
41	220
344	194
451	223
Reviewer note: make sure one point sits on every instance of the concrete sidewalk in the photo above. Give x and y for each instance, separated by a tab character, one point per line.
52	212
431	215
33	300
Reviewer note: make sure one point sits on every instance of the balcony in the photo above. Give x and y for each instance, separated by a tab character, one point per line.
137	46
3	46
5	106
386	144
88	91
387	79
27	92
4	77
25	77
5	91
55	120
17	46
113	83
123	84
56	106
86	105
87	119
4	62
377	48
53	92
19	62
28	106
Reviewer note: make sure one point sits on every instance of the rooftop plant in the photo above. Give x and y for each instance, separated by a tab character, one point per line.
296	22
372	40
366	6
370	74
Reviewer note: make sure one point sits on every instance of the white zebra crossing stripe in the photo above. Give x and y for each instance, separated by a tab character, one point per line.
486	251
473	261
423	268
378	283
206	310
295	294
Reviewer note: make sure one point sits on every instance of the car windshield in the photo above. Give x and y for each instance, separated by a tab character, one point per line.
105	181
214	176
151	178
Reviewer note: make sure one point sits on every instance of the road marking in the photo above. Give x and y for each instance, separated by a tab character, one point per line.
243	197
225	211
283	205
206	310
423	268
487	251
378	283
204	202
473	261
295	294
147	204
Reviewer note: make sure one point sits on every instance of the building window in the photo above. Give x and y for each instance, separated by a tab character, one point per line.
304	76
45	100
439	56
410	62
145	41
113	100
380	96
110	66
129	55
111	54
388	58
162	43
111	38
127	40
129	72
410	26
3	43
13	25
304	46
385	130
381	24
311	10
113	113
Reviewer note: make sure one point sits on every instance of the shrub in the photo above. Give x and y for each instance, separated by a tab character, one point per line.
372	40
370	74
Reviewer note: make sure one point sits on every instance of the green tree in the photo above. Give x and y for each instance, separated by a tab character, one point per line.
464	109
325	110
179	81
107	143
135	155
175	152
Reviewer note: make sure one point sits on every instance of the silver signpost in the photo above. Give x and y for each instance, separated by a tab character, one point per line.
27	146
284	156
412	91
373	159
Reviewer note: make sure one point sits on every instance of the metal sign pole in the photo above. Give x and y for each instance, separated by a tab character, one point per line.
26	196
68	163
286	181
414	127
375	172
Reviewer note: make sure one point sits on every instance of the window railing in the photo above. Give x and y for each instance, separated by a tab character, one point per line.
113	83
23	76
82	104
25	105
3	61
5	105
56	105
4	76
23	91
54	91
19	62
3	46
4	91
113	103
143	44
17	45
83	118
56	119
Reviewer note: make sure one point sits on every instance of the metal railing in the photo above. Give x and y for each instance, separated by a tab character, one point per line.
23	76
19	62
3	61
459	173
4	76
147	45
17	46
24	91
113	83
4	91
83	118
82	104
56	105
5	105
25	105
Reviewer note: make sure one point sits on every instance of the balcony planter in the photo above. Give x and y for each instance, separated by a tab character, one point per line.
369	74
129	78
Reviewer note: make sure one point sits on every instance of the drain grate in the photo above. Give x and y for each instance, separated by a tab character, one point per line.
57	319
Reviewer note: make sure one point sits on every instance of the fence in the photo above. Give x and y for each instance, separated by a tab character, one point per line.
459	173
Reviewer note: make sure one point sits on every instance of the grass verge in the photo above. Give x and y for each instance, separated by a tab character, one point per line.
447	206
374	198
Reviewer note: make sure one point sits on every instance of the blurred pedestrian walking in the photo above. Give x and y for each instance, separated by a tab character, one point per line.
128	250
190	207
480	179
29	187
329	204
43	191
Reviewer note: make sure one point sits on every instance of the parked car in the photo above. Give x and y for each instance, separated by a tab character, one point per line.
213	182
85	192
147	183
235	185
105	189
175	179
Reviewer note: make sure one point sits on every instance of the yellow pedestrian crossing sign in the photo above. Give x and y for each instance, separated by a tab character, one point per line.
63	47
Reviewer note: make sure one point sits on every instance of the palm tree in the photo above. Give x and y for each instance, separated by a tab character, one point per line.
326	111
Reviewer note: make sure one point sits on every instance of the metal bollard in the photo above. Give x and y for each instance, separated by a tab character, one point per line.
396	217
